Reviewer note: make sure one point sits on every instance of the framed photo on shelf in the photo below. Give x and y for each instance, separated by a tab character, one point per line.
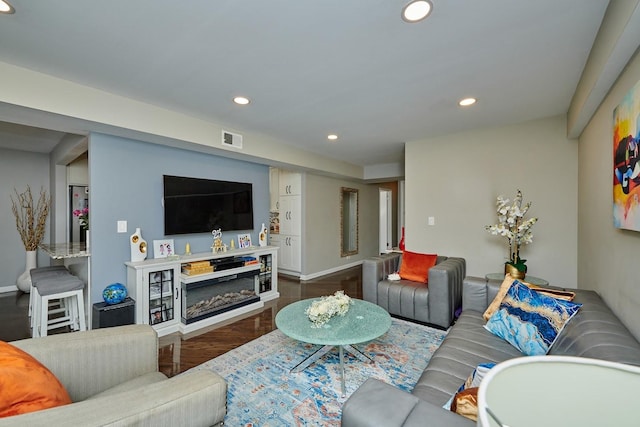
154	291
163	248
157	315
244	241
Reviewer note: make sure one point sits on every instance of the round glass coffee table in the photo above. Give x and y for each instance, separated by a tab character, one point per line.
363	322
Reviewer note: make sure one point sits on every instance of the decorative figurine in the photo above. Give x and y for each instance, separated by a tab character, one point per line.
218	246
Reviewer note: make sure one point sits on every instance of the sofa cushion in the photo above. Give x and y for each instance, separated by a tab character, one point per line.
415	266
26	385
530	321
506	284
465	401
138	382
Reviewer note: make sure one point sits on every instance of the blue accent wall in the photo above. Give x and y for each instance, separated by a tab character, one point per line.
125	182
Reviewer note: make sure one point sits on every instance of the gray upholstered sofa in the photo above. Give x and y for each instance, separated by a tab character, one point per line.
112	377
434	303
594	332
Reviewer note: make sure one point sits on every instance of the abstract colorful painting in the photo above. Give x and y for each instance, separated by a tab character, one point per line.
626	165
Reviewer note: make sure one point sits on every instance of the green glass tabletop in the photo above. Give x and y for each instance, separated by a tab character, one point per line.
363	322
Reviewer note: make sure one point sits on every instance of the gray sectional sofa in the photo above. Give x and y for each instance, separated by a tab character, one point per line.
595	332
434	304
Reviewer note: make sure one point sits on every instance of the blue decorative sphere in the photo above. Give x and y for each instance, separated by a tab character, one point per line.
114	293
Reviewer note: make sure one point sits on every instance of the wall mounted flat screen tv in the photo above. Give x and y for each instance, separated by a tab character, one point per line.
195	205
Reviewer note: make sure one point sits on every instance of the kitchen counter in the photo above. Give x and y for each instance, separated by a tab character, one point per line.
65	250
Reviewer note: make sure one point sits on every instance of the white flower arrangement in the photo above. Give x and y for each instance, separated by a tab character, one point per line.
513	226
320	311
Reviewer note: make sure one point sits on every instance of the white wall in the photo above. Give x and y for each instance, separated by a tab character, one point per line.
456	179
608	257
321	231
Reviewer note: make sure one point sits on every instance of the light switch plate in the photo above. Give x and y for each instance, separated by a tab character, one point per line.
432	220
122	226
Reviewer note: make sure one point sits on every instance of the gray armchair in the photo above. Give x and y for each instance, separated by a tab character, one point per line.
112	377
433	303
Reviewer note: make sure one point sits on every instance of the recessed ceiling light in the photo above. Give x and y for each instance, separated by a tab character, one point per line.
241	100
6	8
332	137
467	101
416	10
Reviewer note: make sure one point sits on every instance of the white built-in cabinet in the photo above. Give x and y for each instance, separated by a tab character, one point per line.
274	189
290	216
290	183
155	286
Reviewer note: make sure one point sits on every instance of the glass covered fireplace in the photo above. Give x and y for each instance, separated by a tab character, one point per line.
214	296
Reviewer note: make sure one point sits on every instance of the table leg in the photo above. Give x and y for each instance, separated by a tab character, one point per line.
357	353
312	358
344	393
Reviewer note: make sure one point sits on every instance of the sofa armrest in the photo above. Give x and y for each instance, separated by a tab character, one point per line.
374	270
445	290
90	362
380	404
197	398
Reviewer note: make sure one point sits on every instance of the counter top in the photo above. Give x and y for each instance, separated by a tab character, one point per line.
65	250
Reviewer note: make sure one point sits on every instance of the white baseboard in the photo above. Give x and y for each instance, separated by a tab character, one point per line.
5	289
329	271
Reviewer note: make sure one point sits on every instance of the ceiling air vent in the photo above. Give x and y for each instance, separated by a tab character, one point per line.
231	139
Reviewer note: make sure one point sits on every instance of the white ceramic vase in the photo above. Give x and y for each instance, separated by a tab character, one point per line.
262	237
24	280
138	246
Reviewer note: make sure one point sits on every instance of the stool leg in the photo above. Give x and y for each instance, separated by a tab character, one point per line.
80	305
72	312
35	315
44	316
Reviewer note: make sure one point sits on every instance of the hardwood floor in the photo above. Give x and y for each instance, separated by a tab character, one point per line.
178	353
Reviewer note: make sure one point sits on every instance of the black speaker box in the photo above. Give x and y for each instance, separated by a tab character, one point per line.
107	315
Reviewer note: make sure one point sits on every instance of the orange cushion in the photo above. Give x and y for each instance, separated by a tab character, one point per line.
26	385
415	266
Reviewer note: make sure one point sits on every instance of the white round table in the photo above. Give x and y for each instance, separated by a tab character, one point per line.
559	391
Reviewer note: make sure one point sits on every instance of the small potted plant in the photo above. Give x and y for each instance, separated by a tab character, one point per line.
512	225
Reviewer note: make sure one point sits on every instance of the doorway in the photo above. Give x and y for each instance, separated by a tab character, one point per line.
386	221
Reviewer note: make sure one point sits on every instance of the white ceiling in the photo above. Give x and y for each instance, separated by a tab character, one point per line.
311	68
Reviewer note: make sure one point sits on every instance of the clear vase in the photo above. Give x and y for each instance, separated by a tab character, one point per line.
24	280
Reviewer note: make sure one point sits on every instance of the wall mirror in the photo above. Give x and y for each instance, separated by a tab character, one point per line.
348	221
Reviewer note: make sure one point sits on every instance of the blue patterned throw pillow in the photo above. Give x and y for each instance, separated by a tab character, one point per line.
529	320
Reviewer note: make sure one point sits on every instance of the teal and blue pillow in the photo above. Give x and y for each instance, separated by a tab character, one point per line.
529	320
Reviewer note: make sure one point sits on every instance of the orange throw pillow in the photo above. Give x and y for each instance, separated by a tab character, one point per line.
26	385
415	266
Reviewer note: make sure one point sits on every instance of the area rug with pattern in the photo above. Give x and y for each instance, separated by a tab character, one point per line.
262	391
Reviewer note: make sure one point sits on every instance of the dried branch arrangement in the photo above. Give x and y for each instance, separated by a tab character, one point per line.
30	221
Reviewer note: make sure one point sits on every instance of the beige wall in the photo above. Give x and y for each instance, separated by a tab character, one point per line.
321	227
456	179
608	257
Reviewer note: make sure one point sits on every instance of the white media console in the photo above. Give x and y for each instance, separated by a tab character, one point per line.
174	295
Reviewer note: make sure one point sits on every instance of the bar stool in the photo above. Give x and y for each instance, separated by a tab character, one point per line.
42	273
57	285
